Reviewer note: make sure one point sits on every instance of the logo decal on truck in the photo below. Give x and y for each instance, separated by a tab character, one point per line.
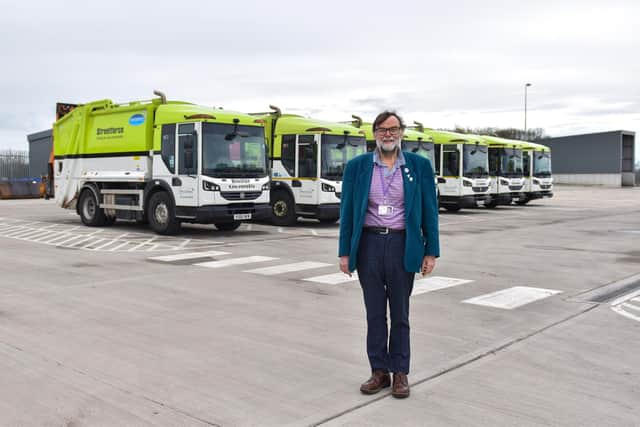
136	119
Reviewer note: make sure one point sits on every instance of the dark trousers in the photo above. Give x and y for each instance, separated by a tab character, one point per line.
384	280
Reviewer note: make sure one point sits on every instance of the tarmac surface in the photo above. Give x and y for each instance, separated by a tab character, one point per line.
531	318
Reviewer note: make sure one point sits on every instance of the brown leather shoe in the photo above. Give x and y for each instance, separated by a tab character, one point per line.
400	385
379	380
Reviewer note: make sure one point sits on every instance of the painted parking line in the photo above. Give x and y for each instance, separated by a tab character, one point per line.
235	261
511	298
628	305
191	255
333	279
435	283
288	268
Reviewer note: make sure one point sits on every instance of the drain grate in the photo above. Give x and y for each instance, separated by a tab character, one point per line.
610	291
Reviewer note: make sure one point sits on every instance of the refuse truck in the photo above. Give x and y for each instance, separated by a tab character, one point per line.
161	162
307	159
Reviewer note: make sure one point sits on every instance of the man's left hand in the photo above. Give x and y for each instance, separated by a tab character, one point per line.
428	264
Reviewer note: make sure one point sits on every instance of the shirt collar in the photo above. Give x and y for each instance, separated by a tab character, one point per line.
400	161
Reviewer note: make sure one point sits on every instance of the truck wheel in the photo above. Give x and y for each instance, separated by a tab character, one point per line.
162	214
522	202
90	211
283	209
227	226
491	204
452	208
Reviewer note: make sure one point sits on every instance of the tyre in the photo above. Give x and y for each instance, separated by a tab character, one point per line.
227	226
283	209
90	211
452	208
162	214
490	205
522	202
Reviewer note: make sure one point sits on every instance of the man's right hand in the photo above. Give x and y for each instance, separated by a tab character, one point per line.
344	265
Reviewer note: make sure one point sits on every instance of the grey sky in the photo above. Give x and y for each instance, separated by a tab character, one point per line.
441	63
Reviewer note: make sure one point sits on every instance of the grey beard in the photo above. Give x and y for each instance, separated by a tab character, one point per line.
381	147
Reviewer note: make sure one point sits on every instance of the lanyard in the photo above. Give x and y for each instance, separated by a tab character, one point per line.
385	190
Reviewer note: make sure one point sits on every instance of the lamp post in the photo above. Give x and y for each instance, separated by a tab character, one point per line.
525	108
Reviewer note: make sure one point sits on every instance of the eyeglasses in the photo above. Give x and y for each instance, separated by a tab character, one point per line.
394	131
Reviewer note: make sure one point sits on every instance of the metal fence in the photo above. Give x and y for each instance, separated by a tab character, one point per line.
14	164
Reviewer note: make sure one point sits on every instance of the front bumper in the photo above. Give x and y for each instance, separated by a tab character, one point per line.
223	213
468	201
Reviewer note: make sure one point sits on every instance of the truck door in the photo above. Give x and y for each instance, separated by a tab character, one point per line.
304	189
185	182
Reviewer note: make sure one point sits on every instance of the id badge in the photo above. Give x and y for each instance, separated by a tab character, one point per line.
385	210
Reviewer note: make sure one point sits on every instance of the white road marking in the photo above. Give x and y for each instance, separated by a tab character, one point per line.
192	255
511	298
333	279
119	246
43	235
435	283
314	232
48	236
86	238
93	243
235	261
631	306
61	236
288	268
624	306
146	242
104	245
68	240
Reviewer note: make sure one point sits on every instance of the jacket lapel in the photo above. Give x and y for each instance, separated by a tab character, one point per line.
363	184
410	181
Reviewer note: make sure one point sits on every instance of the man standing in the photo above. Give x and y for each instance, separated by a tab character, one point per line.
388	232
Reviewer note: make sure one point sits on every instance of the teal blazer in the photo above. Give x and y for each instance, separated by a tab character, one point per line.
420	204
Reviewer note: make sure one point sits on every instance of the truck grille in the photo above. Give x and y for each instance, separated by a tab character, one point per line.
240	195
515	187
480	189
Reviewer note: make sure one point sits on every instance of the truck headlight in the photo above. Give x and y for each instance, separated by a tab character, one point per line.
266	187
210	186
536	181
328	188
504	182
466	183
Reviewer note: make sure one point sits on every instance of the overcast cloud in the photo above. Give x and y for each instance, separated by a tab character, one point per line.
441	63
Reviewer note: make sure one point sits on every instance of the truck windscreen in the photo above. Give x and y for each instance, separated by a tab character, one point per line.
475	161
511	163
421	148
337	150
541	164
233	151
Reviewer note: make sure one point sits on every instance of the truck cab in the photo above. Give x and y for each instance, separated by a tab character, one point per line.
307	158
506	169
461	163
538	181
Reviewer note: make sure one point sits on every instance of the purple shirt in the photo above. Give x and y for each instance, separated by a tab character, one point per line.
395	194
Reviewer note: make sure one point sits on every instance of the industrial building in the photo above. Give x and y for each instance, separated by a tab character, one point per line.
605	158
40	144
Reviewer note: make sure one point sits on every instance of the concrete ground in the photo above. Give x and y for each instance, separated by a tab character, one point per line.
120	327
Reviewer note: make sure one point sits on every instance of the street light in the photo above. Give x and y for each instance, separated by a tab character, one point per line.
525	108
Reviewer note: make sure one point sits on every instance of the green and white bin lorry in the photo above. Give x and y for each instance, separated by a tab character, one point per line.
161	162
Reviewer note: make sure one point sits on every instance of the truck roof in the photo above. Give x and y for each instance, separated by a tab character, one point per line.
295	124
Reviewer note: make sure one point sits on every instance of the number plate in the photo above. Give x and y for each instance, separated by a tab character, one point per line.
239	217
